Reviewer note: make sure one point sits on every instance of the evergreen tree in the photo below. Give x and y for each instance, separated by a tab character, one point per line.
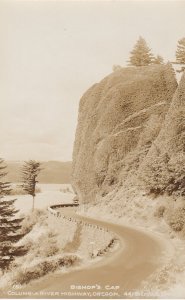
180	54
30	171
9	224
158	60
141	54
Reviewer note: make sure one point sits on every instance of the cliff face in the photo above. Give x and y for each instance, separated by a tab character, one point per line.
119	118
163	169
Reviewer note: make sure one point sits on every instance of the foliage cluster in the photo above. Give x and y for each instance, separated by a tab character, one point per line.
180	54
166	175
176	218
10	224
44	246
24	276
141	55
37	216
30	172
159	213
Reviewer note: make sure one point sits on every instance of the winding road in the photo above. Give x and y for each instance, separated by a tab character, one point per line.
115	276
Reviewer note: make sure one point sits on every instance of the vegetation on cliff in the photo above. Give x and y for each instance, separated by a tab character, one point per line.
119	119
130	140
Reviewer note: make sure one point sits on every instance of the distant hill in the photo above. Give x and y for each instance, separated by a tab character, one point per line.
53	172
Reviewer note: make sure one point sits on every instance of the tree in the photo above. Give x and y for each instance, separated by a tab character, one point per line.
165	174
30	171
180	54
141	54
9	225
158	60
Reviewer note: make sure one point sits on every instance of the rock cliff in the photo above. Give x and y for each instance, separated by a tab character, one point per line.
163	169
119	119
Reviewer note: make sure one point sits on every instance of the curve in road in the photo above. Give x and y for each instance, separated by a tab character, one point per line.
137	257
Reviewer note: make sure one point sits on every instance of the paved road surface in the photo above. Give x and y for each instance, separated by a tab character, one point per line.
136	258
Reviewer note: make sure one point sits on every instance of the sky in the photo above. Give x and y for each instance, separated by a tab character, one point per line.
53	51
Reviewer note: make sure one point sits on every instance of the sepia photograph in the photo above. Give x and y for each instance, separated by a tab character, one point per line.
92	149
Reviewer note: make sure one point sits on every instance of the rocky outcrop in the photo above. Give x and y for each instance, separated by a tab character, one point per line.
119	118
163	169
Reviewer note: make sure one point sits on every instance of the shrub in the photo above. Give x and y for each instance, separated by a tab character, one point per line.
44	246
67	260
39	270
176	218
166	175
160	211
50	249
37	216
43	268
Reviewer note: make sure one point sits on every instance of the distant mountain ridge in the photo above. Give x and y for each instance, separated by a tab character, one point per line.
53	172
